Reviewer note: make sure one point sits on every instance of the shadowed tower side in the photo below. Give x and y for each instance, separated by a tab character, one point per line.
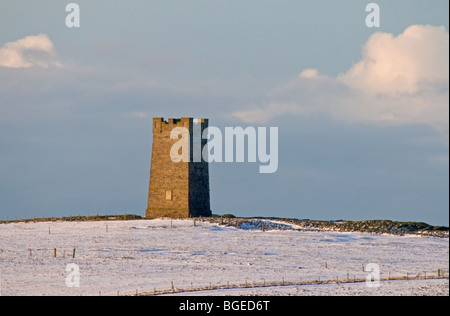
177	189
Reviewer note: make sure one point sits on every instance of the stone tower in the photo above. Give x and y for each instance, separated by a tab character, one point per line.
177	189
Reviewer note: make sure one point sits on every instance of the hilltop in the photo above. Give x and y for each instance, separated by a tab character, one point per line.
367	226
268	223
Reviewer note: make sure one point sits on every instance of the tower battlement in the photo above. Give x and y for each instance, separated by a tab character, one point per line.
176	189
160	125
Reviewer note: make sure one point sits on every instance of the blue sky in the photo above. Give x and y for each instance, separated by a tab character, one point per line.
362	112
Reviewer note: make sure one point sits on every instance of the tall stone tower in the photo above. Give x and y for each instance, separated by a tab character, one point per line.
177	189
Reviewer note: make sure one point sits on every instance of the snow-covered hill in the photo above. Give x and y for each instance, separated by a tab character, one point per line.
151	256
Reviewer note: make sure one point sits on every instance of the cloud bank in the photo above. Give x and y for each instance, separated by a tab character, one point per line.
399	80
35	50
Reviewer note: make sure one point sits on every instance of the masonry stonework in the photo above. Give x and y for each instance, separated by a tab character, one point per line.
177	189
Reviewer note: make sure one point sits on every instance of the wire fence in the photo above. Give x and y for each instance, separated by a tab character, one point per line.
439	274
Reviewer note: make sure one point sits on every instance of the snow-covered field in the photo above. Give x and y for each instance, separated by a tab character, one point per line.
122	257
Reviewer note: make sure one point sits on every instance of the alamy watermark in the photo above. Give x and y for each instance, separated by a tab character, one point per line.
73	18
373	19
373	278
228	148
73	279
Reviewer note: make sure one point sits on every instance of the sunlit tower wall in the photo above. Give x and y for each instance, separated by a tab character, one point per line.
178	189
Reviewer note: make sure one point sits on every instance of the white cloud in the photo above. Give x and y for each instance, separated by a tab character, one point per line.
309	73
404	64
399	80
36	50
